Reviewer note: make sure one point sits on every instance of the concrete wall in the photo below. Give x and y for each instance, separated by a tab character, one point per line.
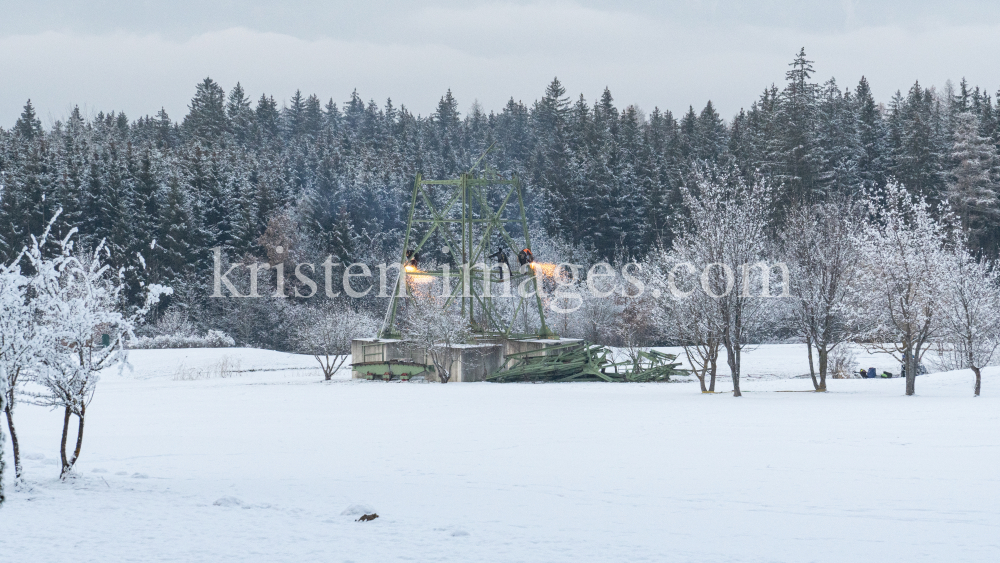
476	361
472	362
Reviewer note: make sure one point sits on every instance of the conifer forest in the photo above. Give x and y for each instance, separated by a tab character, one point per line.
321	175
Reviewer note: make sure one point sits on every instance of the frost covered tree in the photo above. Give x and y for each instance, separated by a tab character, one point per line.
327	333
725	239
897	302
18	346
77	298
819	249
685	316
435	330
970	311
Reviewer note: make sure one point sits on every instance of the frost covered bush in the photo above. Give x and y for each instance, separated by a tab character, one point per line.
211	339
327	332
843	362
173	323
175	330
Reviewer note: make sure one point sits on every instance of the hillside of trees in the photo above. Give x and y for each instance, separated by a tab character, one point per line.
327	178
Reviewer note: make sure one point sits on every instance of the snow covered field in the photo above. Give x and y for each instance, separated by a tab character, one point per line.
181	464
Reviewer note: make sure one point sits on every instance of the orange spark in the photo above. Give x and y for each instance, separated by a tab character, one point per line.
545	268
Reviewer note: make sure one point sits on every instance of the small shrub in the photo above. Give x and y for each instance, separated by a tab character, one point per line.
213	339
842	362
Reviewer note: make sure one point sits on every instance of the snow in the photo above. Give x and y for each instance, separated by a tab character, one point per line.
771	361
277	465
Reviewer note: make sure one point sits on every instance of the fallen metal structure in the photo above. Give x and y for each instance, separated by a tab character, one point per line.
583	361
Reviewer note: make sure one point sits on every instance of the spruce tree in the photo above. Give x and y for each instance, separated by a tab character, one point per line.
266	118
206	119
28	126
796	145
293	117
871	137
919	143
972	188
551	161
174	248
240	115
839	147
710	135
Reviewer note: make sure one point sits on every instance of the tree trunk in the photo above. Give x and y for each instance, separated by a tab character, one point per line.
911	374
701	377
325	366
733	359
812	369
975	370
79	437
68	464
443	374
824	357
700	374
14	442
715	369
62	448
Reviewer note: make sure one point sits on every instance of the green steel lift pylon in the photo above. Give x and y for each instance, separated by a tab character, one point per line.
465	203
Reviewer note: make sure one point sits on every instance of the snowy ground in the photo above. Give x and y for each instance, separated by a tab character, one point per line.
783	361
181	464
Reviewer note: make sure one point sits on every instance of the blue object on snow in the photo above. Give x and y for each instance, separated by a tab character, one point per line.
871	373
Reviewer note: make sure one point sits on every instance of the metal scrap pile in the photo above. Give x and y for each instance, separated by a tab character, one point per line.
585	362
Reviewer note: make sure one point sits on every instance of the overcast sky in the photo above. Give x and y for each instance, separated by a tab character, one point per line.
138	55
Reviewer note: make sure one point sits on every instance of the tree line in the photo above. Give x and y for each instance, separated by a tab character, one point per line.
328	178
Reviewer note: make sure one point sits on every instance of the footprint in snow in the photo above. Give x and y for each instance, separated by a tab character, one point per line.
140	476
99	470
122	473
228	501
358	510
